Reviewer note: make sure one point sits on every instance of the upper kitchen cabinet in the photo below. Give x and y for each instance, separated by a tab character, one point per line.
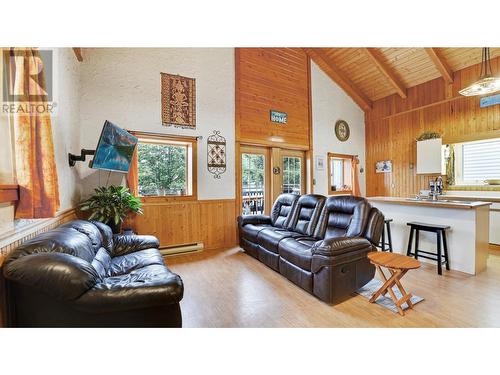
429	153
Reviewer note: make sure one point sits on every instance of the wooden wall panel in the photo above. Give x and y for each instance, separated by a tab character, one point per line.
278	79
394	124
212	222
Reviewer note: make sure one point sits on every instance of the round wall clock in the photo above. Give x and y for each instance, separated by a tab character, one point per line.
342	130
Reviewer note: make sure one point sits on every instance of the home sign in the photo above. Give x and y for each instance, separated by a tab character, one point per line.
278	117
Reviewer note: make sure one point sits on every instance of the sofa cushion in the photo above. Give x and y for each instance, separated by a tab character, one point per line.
125	244
102	262
126	263
343	216
297	251
250	231
269	238
60	240
145	287
282	210
88	229
306	214
106	233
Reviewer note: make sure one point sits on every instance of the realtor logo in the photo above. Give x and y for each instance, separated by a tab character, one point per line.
27	81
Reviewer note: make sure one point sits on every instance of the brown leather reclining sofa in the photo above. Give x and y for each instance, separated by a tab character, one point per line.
318	243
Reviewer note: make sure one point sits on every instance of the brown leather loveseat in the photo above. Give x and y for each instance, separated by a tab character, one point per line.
318	243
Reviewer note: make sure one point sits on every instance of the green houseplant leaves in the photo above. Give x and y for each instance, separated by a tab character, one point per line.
111	204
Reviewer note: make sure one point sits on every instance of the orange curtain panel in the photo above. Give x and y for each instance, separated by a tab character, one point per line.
133	175
35	165
356	191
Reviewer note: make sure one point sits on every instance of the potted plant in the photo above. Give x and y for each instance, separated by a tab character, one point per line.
111	205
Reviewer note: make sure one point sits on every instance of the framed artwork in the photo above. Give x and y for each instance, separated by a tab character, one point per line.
178	101
320	163
384	166
342	130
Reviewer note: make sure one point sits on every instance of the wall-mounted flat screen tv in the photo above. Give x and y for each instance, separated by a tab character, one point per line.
115	149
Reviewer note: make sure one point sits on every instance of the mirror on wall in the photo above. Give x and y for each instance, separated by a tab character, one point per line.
339	174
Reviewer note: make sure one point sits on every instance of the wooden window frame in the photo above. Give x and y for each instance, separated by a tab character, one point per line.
191	143
330	156
9	193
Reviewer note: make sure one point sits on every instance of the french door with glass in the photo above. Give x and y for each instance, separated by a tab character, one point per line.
265	174
255	166
292	172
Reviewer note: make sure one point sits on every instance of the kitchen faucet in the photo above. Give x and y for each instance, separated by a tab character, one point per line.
436	188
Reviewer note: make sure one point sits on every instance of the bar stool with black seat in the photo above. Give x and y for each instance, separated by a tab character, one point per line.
383	242
442	256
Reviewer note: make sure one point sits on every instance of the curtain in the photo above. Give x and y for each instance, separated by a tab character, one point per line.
35	165
450	166
133	186
356	191
133	175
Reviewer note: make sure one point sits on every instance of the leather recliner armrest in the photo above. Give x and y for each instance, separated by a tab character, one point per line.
340	245
253	219
59	275
338	251
125	244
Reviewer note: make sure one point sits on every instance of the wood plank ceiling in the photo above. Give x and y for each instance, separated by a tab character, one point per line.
369	74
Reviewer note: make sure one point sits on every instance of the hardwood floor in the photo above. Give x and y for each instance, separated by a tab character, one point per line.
231	289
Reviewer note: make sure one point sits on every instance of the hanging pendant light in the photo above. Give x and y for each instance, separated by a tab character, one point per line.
487	83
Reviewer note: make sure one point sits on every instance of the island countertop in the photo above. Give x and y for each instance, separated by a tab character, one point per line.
443	202
467	236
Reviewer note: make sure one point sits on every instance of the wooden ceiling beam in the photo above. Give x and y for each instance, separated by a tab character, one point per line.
78	53
320	58
441	64
386	72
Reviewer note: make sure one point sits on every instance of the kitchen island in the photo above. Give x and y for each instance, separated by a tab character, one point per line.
468	237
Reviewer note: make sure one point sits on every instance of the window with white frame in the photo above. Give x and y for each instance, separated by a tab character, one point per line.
477	161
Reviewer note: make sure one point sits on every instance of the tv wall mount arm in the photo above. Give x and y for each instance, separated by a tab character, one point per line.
72	158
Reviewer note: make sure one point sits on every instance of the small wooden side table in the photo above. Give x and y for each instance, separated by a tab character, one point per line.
397	265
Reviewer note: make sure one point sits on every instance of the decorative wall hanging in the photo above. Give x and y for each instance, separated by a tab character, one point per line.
216	154
342	130
384	166
178	101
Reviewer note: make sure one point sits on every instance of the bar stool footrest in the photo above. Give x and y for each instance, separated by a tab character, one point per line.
433	256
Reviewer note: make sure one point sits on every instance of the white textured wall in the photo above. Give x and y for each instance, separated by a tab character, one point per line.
66	126
329	104
123	85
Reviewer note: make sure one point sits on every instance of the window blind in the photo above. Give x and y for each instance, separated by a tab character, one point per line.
481	160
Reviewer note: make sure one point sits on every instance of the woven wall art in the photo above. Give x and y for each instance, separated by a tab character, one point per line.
216	154
178	101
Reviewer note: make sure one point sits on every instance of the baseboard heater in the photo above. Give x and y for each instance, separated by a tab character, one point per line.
181	249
